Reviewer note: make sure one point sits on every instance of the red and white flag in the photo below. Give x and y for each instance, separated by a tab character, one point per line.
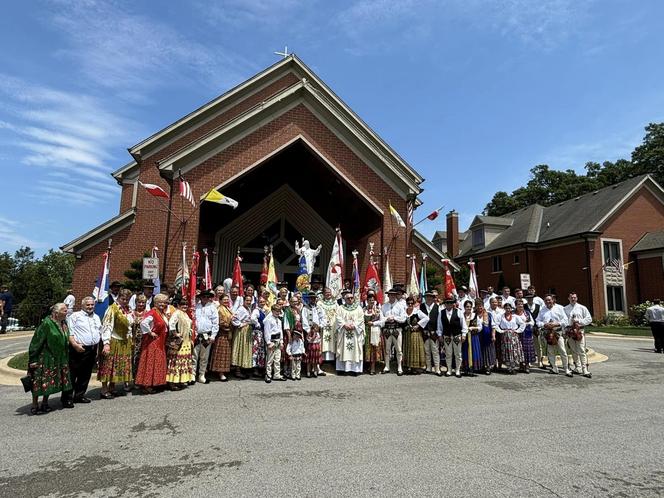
191	294
237	274
434	215
372	280
450	288
208	273
185	191
473	288
154	190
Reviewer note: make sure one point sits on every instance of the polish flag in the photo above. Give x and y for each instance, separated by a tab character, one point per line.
154	190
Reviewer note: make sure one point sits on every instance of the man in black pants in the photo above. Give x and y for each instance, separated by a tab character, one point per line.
84	337
6	310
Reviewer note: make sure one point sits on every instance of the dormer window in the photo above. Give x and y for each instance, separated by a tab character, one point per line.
478	237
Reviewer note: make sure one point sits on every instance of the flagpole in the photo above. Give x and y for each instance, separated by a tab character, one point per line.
427	217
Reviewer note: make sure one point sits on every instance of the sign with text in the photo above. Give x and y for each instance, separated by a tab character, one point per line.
150	268
525	280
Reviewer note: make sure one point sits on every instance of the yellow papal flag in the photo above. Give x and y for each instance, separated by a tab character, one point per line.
214	196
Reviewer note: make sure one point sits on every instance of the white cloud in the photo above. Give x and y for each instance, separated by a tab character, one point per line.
11	237
543	23
130	53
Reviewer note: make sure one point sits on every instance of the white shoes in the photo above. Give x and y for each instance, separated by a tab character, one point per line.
202	379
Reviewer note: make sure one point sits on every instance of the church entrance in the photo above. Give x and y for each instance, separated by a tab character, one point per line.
293	194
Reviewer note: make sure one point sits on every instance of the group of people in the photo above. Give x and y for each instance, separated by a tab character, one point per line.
152	342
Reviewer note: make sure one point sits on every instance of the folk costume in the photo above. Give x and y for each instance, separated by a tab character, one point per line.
152	365
539	339
471	350
350	338
416	322
496	315
511	327
178	363
487	341
373	340
207	328
258	345
430	335
273	333
220	363
576	337
527	338
452	327
328	339
243	340
49	350
116	331
394	318
136	335
296	352
552	322
315	316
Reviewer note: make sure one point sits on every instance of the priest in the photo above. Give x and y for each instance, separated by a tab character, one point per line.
350	336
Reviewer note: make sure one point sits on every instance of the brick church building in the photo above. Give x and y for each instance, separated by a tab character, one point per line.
298	160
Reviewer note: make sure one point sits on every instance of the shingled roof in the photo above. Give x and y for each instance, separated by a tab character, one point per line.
537	224
650	241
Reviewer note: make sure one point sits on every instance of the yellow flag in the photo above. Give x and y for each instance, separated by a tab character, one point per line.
397	216
214	196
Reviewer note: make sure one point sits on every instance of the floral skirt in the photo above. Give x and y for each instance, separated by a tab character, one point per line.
178	366
258	349
372	352
116	366
50	377
220	361
512	352
242	346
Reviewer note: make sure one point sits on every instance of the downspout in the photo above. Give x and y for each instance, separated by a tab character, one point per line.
590	276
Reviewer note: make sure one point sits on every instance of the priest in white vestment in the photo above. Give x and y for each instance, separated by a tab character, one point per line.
350	335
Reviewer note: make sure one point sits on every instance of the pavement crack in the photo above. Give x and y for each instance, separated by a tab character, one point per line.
498	471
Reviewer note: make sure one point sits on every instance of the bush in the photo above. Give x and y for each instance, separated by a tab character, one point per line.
637	313
612	320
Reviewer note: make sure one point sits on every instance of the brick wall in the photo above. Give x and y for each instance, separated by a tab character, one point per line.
651	277
151	220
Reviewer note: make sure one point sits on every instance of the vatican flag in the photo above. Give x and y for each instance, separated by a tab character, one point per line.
397	216
214	196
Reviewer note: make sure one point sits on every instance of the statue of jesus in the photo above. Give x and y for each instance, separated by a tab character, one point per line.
308	253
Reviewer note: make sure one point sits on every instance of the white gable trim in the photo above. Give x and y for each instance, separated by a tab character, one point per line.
649	183
112	226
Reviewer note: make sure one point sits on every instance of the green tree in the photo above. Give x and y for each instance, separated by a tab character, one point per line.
547	186
134	275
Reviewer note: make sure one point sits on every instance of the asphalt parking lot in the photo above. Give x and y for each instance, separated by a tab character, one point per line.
524	435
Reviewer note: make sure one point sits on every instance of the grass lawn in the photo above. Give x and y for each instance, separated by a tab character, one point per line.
630	330
19	362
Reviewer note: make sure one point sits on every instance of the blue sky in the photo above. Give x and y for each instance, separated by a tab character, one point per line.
472	93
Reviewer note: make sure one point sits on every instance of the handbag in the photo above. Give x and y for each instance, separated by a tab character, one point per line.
27	383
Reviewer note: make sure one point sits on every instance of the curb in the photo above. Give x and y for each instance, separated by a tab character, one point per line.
606	335
12	377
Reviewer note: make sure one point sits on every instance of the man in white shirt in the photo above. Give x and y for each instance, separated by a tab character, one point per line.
463	296
496	311
207	326
70	301
507	298
536	298
576	337
655	317
552	320
394	316
431	341
84	336
236	299
453	329
148	291
273	326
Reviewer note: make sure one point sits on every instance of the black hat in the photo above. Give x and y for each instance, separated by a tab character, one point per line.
115	283
484	291
298	332
371	292
449	300
429	293
312	294
280	285
316	280
530	295
345	292
463	288
148	283
207	293
393	290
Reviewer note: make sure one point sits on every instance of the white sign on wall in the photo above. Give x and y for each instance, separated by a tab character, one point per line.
150	268
525	280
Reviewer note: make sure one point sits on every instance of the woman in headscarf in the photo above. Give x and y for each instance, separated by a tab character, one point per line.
115	360
178	357
152	365
48	358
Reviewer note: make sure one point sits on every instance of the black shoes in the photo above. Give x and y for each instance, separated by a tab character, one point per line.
83	399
